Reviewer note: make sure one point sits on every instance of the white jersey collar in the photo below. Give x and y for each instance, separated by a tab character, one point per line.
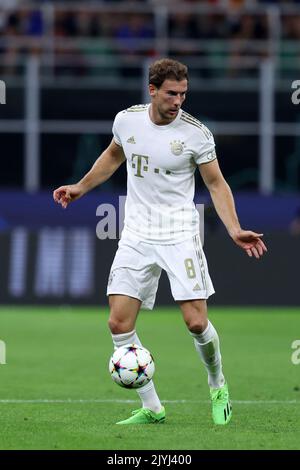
165	127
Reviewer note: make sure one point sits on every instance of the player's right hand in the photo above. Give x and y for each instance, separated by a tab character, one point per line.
66	194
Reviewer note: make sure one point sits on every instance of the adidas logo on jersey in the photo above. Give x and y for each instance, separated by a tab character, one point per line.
197	287
131	140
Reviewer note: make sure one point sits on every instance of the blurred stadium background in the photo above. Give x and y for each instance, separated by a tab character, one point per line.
70	67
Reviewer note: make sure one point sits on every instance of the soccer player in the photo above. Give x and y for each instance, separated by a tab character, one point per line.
163	146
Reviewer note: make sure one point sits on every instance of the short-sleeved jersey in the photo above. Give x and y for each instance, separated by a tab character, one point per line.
161	162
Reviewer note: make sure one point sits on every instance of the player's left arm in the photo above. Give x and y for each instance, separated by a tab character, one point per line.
224	204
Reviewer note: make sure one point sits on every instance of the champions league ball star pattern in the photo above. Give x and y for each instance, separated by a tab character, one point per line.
131	366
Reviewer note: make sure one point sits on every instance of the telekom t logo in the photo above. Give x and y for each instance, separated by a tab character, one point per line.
2	92
137	163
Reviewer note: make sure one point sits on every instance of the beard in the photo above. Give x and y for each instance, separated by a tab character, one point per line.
168	114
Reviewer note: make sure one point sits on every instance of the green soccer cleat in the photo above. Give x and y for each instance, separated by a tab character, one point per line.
221	406
145	416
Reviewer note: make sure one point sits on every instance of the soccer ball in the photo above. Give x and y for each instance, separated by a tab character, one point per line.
131	366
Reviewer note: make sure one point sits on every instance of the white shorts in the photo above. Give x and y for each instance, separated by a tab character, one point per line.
137	266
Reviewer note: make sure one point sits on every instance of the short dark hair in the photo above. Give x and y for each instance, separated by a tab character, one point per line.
164	69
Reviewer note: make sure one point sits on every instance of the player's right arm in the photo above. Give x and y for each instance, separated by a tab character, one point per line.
103	168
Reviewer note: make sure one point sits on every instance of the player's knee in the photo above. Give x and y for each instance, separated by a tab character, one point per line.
197	325
119	325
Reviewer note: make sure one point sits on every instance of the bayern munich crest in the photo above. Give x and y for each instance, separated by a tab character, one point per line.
177	147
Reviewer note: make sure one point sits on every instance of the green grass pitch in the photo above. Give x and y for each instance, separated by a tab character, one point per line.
56	392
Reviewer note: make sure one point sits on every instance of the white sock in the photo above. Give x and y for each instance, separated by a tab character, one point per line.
208	348
147	393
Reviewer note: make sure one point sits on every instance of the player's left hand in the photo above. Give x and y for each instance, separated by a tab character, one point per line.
250	242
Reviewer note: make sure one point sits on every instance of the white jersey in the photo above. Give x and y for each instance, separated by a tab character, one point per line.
161	162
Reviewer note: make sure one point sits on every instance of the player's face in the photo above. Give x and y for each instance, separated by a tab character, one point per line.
167	100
